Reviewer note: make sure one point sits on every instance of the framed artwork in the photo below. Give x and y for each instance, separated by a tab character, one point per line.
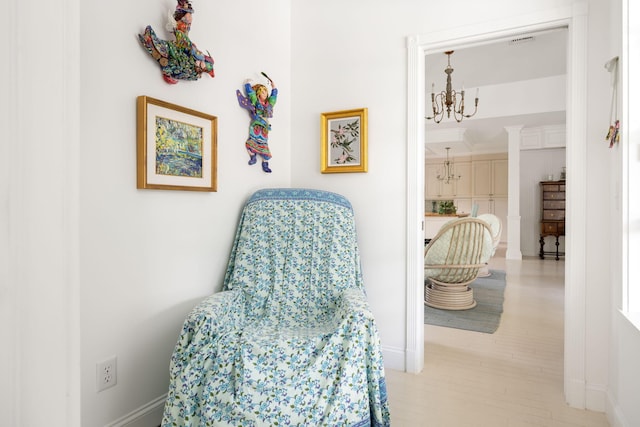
176	147
343	141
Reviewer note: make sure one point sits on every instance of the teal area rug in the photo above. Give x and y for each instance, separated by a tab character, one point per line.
484	317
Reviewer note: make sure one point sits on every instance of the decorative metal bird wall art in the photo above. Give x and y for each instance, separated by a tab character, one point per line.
179	59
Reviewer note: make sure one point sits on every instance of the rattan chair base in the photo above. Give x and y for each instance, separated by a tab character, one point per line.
449	297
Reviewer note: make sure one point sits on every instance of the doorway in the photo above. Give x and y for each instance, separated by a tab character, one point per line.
521	84
575	19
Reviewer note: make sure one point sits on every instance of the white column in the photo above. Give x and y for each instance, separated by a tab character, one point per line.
39	216
513	213
414	350
576	280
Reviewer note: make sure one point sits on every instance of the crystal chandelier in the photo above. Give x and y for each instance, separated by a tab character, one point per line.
449	175
448	99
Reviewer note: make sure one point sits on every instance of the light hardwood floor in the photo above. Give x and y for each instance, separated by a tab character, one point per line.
510	378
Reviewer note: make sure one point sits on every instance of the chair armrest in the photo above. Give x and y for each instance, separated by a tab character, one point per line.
216	315
354	301
221	311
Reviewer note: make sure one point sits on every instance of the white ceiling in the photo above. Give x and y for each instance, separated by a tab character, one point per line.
530	56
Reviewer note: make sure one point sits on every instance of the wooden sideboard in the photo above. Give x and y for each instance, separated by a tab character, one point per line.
552	215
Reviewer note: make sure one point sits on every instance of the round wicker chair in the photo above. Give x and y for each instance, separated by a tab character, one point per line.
452	260
495	225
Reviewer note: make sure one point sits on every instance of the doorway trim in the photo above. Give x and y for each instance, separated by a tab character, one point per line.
574	18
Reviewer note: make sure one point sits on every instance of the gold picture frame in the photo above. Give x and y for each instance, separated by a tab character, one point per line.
176	147
343	139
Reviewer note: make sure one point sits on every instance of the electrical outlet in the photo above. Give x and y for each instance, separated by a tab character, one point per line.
106	373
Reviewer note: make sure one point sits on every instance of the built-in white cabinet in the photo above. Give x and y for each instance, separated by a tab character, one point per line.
432	188
483	181
464	184
463	205
491	178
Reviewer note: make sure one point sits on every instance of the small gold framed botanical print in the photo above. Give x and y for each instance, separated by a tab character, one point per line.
343	138
176	147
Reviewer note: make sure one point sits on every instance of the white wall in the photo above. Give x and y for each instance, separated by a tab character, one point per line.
351	55
624	375
133	262
148	256
8	300
535	96
365	63
348	55
625	386
599	174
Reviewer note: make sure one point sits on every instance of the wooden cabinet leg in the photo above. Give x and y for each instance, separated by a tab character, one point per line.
541	246
557	248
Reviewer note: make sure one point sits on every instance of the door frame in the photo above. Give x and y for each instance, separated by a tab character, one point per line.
574	18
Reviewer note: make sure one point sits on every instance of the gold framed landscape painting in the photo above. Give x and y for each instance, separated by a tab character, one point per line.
176	147
343	141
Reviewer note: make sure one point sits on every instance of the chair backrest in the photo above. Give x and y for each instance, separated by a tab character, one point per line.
458	251
495	225
295	251
474	210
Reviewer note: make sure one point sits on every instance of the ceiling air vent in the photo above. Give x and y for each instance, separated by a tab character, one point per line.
520	40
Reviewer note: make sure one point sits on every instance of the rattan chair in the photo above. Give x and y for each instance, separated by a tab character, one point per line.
495	225
452	260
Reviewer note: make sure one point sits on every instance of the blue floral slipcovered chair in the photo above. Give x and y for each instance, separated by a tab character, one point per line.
290	340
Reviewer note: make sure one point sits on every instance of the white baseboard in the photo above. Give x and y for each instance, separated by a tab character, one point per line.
574	393
596	397
614	415
149	415
394	358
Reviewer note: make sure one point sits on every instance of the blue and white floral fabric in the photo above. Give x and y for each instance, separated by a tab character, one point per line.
290	341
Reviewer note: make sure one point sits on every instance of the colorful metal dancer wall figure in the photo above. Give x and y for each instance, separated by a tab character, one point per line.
179	59
260	104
